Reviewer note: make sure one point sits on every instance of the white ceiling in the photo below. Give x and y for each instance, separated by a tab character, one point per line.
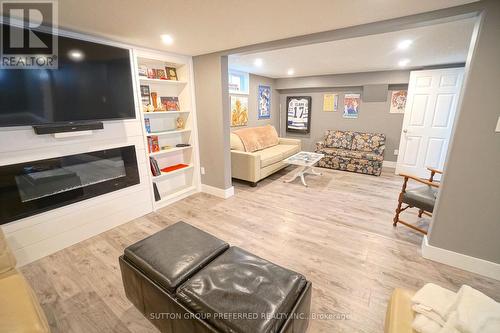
204	26
440	44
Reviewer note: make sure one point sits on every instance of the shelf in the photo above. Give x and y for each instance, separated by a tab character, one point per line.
163	113
171	173
168	151
177	192
180	183
168	132
167	82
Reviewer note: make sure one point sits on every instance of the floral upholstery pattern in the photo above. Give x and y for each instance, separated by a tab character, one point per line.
370	142
351	164
350	154
365	154
338	139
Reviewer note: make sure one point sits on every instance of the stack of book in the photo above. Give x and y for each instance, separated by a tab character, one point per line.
155	169
153	145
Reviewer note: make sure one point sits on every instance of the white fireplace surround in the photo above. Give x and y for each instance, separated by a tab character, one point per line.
37	236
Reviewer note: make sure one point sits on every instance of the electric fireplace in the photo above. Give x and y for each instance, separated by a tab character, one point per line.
33	187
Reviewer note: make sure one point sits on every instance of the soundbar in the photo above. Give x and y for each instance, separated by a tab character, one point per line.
68	127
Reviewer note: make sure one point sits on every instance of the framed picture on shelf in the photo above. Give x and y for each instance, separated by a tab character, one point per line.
298	115
145	90
170	103
351	105
398	101
161	74
264	102
171	73
151	73
142	70
145	95
239	111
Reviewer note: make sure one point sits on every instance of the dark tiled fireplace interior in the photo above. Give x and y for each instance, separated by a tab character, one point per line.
33	187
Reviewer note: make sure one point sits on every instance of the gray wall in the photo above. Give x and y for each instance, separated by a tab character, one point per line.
467	215
210	77
255	81
344	80
373	116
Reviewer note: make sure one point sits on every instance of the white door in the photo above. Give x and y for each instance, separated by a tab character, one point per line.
429	115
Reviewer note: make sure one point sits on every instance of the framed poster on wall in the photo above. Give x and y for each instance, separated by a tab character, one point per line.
330	102
264	102
298	114
351	105
398	101
239	111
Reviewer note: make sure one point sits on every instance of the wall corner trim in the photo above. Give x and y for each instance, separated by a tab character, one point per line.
218	192
459	260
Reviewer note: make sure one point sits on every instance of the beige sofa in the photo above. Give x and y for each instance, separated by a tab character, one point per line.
255	165
20	311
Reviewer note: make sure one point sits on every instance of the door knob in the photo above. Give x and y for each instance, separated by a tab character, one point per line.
405	131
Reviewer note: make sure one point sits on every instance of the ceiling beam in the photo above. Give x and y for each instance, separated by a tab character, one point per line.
391	25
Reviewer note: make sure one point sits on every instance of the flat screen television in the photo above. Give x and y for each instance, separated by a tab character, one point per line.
93	82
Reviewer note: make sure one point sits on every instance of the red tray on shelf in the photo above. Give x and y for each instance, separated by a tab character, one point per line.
174	167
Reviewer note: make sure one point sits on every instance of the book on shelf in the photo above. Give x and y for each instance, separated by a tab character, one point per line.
174	167
155	169
171	73
153	144
171	103
156	192
147	124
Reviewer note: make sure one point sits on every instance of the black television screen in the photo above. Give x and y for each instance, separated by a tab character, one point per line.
92	82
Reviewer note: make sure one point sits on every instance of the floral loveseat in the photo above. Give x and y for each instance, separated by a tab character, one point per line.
352	151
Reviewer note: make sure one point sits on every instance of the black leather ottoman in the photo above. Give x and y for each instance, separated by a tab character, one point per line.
185	280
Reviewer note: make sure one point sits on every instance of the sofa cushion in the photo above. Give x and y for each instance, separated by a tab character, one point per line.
238	282
338	139
7	260
289	150
236	143
346	153
258	138
20	310
172	255
275	154
369	142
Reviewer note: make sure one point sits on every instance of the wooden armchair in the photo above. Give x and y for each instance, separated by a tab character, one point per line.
422	197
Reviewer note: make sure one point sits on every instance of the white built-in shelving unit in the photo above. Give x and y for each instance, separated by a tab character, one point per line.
180	183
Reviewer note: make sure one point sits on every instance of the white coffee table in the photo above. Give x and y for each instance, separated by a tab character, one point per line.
306	160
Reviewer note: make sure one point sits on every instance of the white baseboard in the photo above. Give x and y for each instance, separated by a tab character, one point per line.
389	164
218	192
465	262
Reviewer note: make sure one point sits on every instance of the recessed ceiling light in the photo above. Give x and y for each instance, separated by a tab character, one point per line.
167	39
403	62
258	62
404	44
75	55
290	71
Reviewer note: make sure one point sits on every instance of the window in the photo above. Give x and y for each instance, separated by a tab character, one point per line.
238	82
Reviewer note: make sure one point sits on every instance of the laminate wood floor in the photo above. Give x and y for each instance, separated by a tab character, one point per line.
337	232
